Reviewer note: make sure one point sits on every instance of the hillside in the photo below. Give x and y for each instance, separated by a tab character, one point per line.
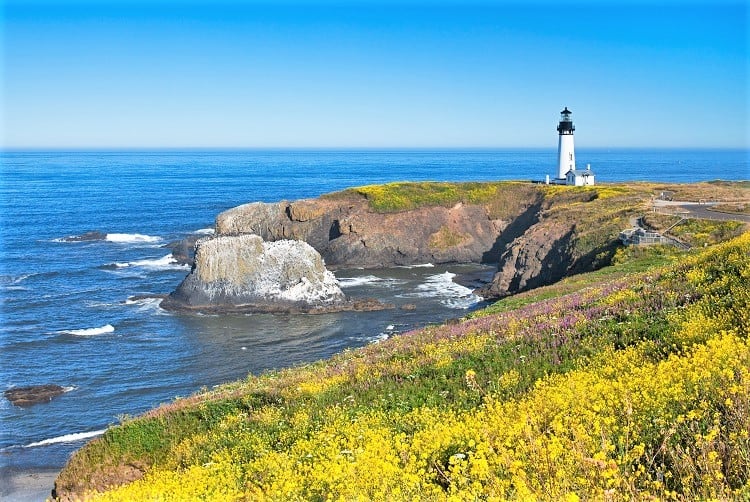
628	382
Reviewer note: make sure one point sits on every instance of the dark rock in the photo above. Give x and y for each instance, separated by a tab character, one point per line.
183	251
353	305
88	236
154	296
33	394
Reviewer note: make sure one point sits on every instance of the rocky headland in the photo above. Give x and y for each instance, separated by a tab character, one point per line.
535	234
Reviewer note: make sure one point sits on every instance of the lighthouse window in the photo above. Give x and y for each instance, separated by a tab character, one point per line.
570	155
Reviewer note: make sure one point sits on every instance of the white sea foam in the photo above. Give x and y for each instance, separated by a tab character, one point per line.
350	282
13	279
380	337
107	328
451	295
99	305
67	438
166	262
146	304
421	265
205	231
13	282
132	238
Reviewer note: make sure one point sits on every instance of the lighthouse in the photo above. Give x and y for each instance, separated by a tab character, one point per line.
566	155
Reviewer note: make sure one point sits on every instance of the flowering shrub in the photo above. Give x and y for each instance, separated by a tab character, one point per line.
633	388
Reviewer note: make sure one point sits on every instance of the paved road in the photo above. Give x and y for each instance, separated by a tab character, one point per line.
702	211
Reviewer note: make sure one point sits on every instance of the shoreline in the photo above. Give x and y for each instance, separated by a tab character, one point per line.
27	485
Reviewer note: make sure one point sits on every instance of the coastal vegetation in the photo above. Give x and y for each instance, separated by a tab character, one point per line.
404	196
629	382
694	232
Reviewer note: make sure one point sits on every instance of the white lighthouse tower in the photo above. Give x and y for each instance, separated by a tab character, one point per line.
566	155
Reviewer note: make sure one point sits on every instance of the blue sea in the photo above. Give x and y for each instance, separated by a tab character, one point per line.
66	313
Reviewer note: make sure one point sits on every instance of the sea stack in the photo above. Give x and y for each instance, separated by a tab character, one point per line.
244	273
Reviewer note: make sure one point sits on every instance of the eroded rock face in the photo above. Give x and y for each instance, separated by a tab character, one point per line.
347	233
542	255
242	272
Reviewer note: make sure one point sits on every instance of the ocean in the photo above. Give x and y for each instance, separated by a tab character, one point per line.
66	316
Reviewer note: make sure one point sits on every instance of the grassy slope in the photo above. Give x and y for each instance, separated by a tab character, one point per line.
603	390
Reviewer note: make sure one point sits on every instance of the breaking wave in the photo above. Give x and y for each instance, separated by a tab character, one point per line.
451	295
119	238
351	282
107	328
67	438
13	282
167	262
132	238
146	304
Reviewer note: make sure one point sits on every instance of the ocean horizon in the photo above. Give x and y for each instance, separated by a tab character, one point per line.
358	149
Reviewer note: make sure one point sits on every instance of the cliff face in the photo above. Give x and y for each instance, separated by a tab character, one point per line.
536	234
573	231
347	233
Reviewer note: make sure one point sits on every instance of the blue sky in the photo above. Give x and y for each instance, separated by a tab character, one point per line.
363	74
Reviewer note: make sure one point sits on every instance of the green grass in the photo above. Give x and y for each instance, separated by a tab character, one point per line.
405	196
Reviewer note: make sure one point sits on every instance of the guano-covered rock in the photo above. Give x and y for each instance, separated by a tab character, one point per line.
244	273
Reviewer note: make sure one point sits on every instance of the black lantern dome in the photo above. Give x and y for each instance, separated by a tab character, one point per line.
566	124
